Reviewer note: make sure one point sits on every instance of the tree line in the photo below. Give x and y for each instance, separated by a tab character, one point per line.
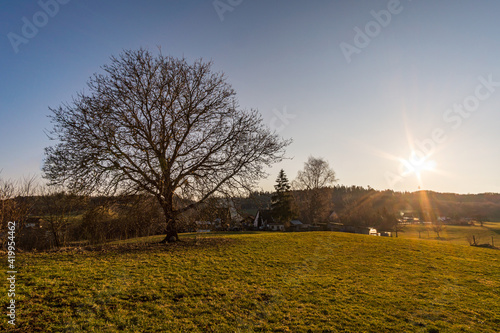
67	219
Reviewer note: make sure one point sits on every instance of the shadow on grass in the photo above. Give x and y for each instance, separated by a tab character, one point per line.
486	246
151	245
200	234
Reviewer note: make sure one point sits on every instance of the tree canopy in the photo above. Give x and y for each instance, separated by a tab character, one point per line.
163	126
314	181
317	173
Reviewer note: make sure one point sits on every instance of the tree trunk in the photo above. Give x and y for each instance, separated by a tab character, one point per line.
54	233
167	204
171	232
171	229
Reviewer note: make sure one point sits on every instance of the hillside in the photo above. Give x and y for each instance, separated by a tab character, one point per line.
280	282
345	199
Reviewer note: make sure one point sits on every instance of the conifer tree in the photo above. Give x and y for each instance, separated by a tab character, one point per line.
281	204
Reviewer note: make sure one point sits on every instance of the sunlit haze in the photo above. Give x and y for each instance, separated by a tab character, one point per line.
401	95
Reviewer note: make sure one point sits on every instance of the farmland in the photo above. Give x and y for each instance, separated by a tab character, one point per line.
456	234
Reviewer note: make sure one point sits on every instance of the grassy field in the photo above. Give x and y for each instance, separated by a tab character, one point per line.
261	282
456	234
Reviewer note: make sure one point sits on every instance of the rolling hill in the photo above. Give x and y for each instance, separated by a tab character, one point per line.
260	282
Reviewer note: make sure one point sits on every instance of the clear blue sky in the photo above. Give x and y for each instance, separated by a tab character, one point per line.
364	115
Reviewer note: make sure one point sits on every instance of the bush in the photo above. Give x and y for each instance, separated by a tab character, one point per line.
130	218
97	224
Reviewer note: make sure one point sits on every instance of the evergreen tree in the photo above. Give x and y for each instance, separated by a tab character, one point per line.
281	204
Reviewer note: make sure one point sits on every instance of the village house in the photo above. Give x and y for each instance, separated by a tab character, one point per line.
262	219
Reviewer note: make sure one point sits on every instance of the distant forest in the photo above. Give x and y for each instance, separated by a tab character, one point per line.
347	198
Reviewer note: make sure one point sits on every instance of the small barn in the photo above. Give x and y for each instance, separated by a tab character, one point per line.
296	225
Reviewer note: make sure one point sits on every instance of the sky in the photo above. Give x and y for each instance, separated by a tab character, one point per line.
400	95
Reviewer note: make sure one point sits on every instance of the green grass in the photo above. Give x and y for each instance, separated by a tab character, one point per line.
456	234
261	282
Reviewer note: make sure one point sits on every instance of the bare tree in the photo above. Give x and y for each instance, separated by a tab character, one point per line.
472	239
438	227
56	208
317	173
313	180
15	201
159	125
481	218
422	228
397	228
8	205
390	221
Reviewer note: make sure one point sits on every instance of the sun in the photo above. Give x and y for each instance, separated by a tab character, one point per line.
427	166
417	165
